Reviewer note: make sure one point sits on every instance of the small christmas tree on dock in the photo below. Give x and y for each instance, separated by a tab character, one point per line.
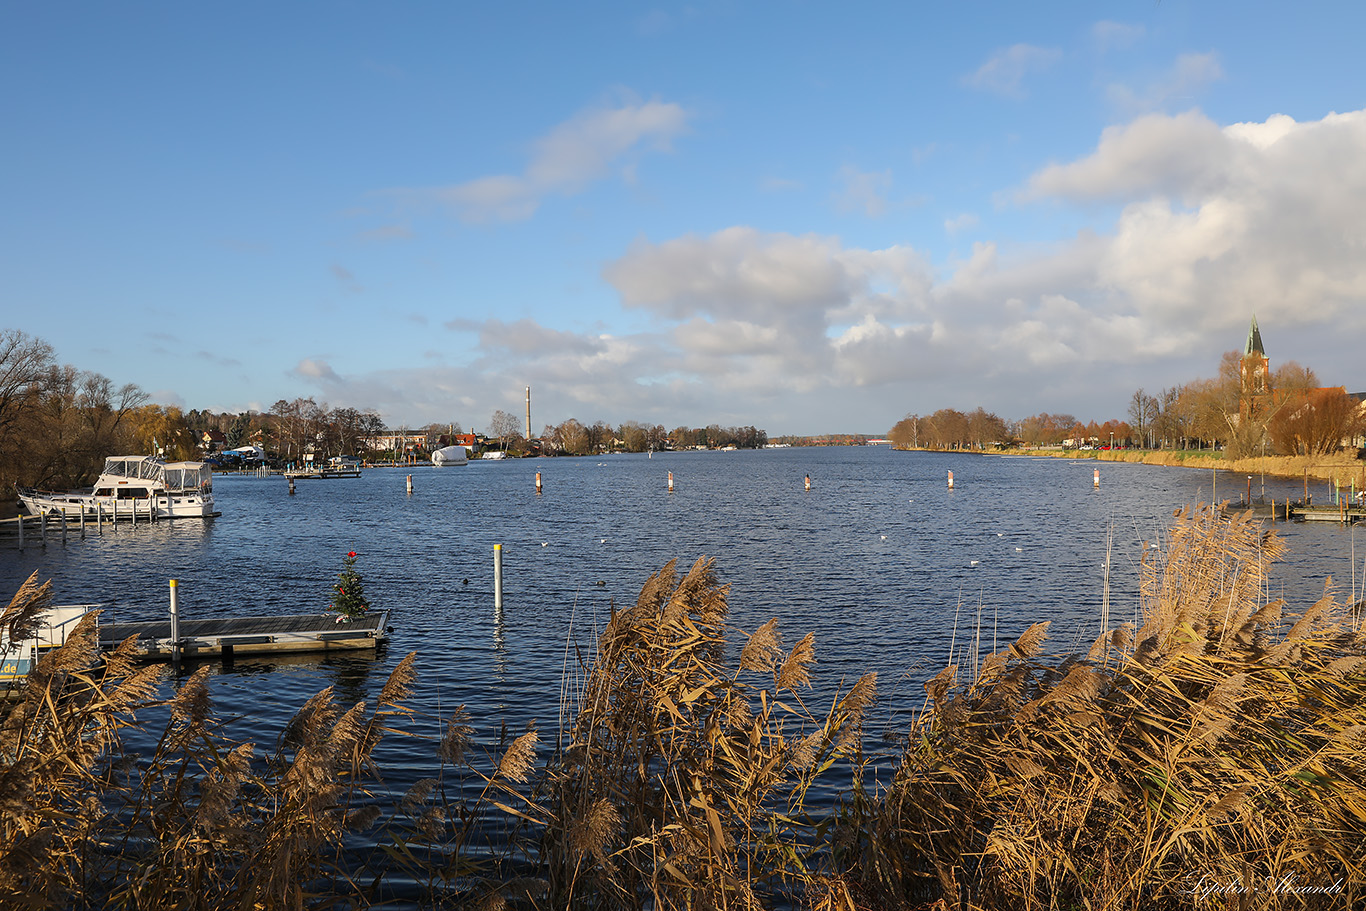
348	594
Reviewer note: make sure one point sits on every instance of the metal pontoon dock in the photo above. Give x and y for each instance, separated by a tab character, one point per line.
332	471
226	637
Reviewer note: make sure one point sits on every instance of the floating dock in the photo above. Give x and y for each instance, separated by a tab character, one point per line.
229	637
306	473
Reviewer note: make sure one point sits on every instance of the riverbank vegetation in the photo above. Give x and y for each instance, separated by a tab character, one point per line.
1212	755
1288	415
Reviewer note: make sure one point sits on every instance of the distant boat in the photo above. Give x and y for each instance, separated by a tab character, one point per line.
166	490
493	456
450	455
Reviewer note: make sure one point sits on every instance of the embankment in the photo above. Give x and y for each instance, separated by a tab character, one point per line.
1341	468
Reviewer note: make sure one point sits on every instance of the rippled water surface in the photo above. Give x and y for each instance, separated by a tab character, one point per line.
877	559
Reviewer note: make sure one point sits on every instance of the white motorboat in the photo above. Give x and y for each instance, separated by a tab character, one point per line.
129	486
450	455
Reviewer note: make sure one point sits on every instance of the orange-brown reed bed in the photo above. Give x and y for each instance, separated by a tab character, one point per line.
1212	757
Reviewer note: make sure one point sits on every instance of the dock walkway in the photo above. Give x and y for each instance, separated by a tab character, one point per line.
226	637
305	473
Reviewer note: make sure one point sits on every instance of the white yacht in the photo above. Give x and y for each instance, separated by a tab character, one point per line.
134	485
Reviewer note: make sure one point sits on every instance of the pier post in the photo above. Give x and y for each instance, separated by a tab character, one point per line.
82	523
538	482
63	524
1095	480
21	530
291	486
410	485
42	528
950	480
99	518
133	510
808	482
175	620
498	576
671	482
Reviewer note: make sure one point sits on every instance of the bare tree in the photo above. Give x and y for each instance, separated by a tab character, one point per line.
23	362
505	427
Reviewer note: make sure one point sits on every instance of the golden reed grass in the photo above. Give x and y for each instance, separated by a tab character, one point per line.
1212	756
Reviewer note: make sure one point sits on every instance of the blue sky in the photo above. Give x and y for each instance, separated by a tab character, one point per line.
804	217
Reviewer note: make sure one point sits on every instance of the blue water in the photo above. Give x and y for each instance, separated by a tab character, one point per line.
880	560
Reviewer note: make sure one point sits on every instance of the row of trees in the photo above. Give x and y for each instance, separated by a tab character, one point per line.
573	437
58	423
1296	416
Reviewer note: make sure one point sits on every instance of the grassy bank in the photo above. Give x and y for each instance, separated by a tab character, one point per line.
1342	468
1212	756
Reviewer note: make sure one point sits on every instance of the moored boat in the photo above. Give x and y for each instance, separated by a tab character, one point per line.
450	455
134	486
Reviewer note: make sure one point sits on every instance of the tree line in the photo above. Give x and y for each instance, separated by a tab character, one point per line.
1298	417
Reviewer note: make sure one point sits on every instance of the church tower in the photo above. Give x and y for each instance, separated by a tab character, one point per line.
1256	375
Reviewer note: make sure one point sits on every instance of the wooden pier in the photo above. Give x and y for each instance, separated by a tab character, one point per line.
228	637
58	524
1287	511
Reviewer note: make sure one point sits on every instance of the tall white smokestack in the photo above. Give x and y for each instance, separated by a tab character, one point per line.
528	413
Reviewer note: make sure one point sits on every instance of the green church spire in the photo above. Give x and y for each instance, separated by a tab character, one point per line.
1254	340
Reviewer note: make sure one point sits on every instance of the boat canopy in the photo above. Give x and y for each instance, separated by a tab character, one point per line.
144	468
187	475
175	475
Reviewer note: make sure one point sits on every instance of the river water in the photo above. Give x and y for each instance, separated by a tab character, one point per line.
879	559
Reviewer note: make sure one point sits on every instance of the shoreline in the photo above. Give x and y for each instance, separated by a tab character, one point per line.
1341	468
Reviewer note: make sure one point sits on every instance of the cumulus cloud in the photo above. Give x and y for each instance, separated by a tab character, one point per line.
575	153
1203	225
1004	72
1156	154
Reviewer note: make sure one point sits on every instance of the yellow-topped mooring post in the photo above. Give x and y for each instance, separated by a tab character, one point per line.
671	482
1095	480
538	482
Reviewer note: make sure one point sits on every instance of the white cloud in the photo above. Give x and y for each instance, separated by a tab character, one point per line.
579	151
960	222
1206	225
1004	72
1177	155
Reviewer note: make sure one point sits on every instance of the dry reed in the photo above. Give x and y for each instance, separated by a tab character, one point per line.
1212	755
